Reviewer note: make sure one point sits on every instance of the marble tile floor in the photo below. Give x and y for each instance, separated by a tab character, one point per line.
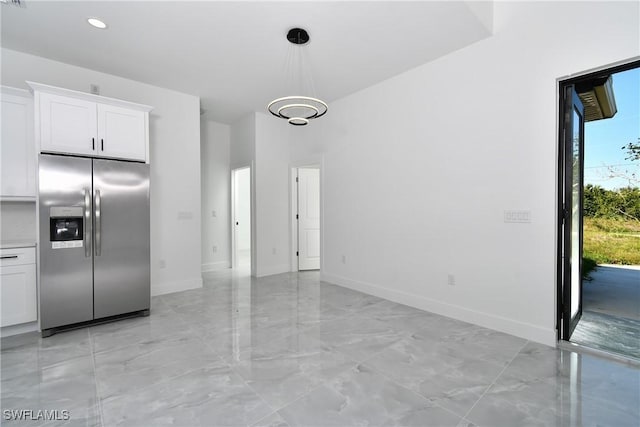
289	350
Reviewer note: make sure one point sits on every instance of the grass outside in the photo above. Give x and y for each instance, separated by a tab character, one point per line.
610	241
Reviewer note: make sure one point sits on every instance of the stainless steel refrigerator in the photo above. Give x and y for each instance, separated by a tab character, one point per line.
94	240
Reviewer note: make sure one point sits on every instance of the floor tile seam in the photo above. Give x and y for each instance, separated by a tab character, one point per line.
172	377
352	312
137	342
495	363
324	346
135	358
215	352
164	380
367	307
494	381
308	392
345	316
95	380
262	399
97	335
156	384
41	367
371	355
253	346
306	327
412	391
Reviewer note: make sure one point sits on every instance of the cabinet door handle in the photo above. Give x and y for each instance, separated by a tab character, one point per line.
9	257
102	144
93	143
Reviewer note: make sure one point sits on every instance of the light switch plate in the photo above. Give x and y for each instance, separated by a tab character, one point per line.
519	216
185	215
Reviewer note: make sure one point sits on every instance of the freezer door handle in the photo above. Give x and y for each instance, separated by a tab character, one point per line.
98	223
87	221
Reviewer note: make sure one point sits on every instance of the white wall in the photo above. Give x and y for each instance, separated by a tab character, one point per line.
243	142
418	169
272	195
260	140
18	221
216	183
175	160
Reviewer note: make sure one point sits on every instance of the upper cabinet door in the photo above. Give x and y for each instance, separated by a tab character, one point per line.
121	133
17	151
67	125
85	124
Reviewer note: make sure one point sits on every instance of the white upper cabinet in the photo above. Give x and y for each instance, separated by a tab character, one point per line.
17	149
67	125
121	132
72	122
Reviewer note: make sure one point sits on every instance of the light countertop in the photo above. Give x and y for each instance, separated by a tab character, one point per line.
12	244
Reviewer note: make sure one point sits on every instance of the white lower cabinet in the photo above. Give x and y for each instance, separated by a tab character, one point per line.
18	299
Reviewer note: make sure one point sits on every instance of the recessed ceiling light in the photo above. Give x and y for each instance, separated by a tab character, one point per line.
97	23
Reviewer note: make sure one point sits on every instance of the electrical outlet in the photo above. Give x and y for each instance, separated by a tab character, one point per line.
344	259
214	214
273	251
215	249
451	280
162	263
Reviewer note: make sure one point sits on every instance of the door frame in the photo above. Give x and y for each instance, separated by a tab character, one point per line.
232	198
571	102
561	84
316	163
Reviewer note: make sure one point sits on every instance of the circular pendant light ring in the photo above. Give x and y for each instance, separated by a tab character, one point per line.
298	121
319	107
298	110
286	107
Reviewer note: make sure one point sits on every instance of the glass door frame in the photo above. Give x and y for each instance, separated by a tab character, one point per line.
562	85
573	179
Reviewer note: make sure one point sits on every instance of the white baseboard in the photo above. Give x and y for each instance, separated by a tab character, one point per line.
215	266
171	287
8	331
487	320
273	269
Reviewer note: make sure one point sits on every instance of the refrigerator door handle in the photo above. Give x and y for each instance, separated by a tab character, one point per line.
87	221
98	223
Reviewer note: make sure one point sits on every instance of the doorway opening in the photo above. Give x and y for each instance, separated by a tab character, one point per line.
306	218
599	210
241	218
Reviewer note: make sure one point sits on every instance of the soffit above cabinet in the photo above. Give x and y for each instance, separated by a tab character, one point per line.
39	87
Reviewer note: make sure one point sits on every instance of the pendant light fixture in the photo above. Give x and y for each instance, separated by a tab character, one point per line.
298	110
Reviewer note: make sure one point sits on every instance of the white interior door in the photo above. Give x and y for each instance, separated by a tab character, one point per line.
308	219
242	218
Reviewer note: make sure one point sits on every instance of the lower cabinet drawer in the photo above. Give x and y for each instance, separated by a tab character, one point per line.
18	294
17	256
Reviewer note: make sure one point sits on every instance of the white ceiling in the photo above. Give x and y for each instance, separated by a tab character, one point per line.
232	54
